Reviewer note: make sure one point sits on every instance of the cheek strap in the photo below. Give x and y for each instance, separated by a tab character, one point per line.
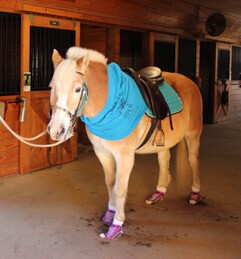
84	101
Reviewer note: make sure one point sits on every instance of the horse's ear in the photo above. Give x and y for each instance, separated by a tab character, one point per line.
56	58
83	63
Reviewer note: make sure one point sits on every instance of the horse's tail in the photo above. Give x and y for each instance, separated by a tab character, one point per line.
183	174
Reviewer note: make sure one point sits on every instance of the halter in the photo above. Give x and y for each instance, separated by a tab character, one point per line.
80	106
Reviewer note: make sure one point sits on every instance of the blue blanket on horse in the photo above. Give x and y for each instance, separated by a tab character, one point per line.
124	107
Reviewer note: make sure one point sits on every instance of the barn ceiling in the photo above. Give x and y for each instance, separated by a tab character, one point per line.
232	7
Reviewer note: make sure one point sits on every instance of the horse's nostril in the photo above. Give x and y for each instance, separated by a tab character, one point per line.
62	131
48	129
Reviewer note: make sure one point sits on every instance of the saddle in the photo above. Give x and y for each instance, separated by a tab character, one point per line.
148	79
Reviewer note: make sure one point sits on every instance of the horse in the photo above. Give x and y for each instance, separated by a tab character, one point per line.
79	88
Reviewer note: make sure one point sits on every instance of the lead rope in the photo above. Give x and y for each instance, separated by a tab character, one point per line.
57	155
26	140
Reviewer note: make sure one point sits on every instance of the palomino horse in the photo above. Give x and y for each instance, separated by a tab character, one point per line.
83	75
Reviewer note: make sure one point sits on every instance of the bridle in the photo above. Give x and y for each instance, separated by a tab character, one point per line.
82	101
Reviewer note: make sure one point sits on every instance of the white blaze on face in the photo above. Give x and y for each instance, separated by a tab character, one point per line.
62	81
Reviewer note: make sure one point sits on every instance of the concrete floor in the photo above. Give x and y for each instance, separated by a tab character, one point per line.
56	213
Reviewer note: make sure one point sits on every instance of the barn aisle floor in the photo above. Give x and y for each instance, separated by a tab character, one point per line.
56	213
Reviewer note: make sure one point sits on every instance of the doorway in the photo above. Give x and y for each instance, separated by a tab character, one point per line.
164	56
187	58
131	49
207	75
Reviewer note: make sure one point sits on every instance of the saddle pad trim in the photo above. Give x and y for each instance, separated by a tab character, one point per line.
173	100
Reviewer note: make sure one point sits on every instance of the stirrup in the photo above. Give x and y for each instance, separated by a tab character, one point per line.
159	137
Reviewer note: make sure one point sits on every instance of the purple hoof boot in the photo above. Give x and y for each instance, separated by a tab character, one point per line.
194	198
155	197
114	231
109	217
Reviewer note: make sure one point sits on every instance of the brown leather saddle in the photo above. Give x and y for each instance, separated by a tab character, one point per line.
148	80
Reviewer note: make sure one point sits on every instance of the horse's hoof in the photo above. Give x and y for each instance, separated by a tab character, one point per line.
109	217
157	196
194	198
113	232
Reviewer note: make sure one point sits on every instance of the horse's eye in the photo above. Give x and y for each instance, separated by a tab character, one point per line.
77	90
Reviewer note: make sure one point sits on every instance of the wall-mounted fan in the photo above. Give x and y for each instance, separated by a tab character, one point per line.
215	24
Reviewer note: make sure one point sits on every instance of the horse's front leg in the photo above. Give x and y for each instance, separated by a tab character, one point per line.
124	163
108	163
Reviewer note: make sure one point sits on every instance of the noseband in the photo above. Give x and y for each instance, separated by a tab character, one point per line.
80	106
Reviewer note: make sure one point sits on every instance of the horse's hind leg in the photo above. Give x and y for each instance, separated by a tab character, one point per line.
193	143
108	164
164	177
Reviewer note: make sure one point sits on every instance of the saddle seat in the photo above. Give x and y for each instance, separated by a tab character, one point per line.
152	74
148	80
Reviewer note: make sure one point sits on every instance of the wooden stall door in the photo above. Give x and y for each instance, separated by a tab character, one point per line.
40	36
9	145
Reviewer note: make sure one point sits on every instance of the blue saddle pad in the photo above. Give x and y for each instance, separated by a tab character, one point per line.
172	98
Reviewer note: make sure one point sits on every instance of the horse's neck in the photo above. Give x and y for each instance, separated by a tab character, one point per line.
97	84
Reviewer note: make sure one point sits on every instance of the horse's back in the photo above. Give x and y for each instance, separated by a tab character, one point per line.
190	95
184	86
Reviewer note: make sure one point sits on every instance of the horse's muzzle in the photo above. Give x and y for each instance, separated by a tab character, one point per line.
57	134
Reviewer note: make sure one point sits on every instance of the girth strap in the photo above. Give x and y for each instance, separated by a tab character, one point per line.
151	130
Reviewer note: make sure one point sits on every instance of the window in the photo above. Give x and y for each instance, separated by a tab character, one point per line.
236	63
165	56
223	64
9	53
42	43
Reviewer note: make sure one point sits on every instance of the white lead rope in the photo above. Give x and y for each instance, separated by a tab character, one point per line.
25	140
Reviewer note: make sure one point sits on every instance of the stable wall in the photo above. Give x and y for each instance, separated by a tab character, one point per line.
98	25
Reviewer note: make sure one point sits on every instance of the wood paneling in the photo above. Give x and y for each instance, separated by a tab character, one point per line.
175	17
145	15
147	49
113	44
9	145
93	37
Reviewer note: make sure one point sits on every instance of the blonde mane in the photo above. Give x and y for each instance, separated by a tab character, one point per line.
76	53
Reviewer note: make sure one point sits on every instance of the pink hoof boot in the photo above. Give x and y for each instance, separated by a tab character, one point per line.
109	217
194	198
114	231
155	197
